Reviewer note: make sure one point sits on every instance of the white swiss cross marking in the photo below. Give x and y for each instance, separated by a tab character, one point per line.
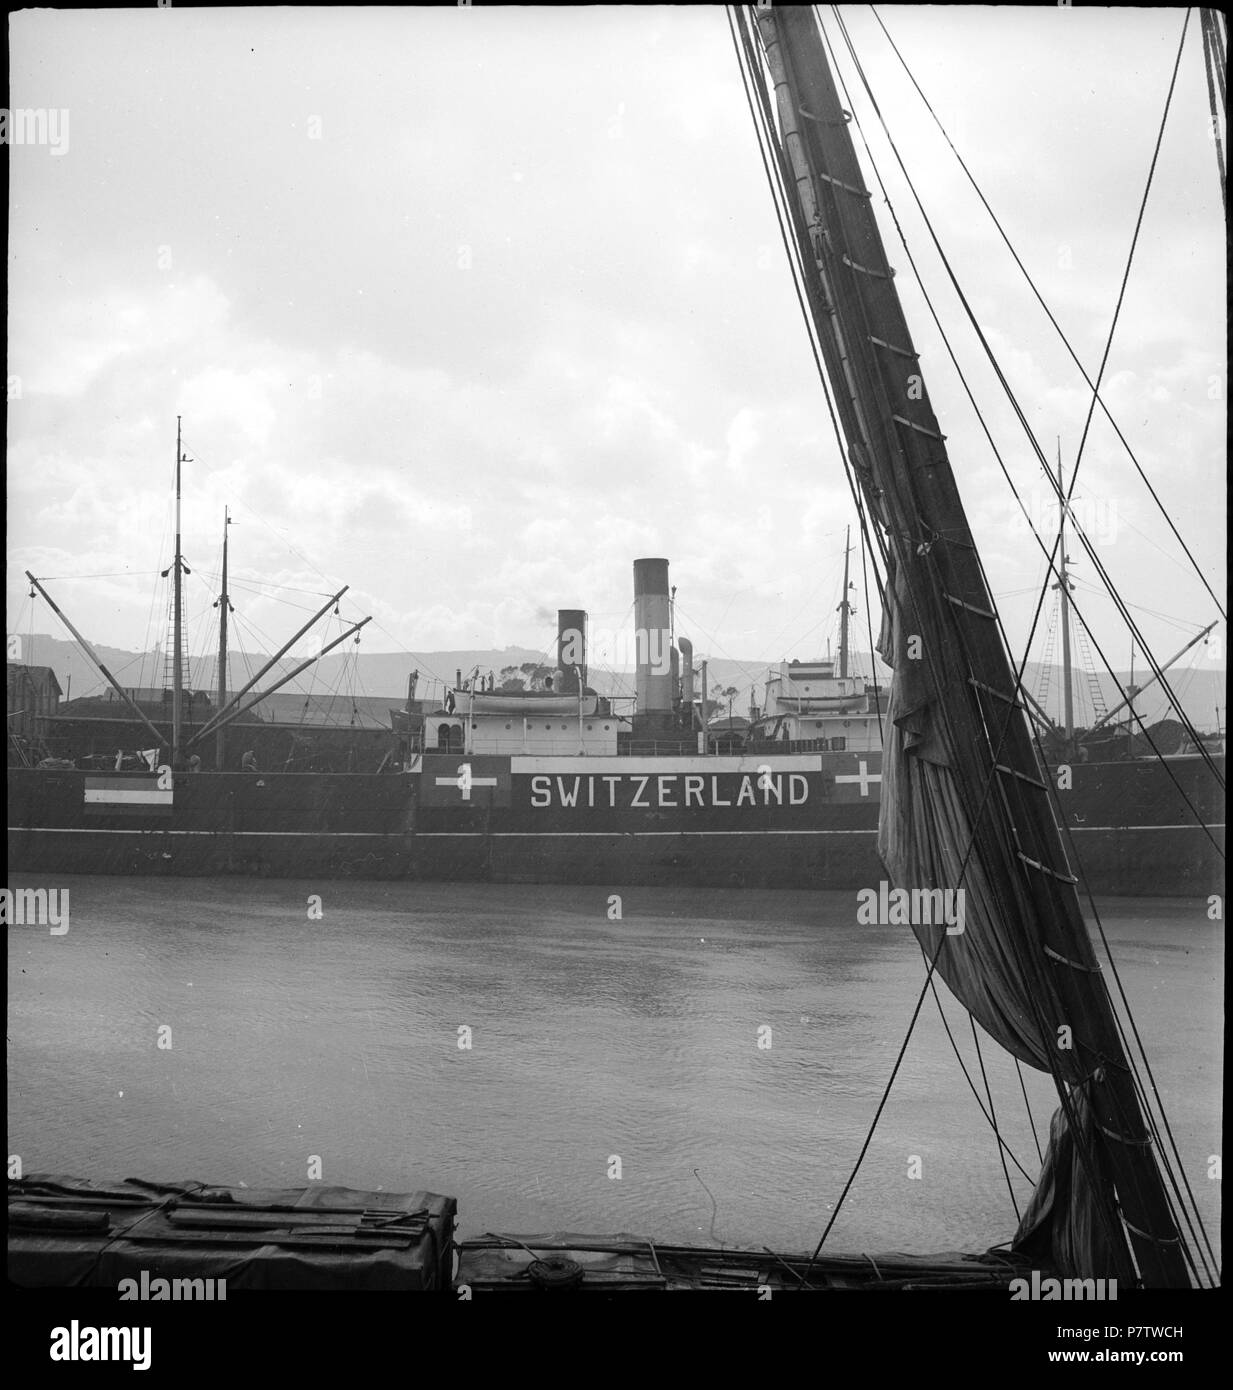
464	781
864	777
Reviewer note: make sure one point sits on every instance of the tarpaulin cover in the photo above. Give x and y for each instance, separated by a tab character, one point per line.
65	1232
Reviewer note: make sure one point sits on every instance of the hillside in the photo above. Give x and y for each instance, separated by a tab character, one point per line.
384	674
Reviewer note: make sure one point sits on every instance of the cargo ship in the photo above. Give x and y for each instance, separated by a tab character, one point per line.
970	806
562	785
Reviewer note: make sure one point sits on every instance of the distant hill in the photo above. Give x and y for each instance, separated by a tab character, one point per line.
384	675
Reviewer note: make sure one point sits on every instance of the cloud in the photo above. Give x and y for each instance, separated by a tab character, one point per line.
473	338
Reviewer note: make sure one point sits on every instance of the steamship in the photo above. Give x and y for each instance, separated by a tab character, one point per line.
562	785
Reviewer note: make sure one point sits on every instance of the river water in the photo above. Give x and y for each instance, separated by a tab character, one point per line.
591	1039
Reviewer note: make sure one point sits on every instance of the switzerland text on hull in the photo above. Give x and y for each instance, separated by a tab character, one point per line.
801	822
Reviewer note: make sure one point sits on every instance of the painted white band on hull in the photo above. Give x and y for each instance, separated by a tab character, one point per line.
112	797
526	834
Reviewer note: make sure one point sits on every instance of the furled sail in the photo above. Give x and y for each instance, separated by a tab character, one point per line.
925	840
964	802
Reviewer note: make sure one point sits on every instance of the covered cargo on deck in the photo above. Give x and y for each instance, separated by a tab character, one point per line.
66	1232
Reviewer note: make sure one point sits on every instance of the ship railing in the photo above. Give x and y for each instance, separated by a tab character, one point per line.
658	748
797	745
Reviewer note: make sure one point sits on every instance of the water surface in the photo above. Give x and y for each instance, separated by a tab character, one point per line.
591	1039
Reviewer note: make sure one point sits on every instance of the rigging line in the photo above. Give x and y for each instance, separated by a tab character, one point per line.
813	598
1022	902
763	138
1033	588
778	195
264	588
1156	1097
1062	1093
1149	1117
274	531
1057	1079
993	1119
259	591
1077	860
1015	883
860	509
117	574
1165	685
266	641
997	370
1134	243
1017	886
942	332
1027	1105
1017	889
1217	24
1049	554
785	213
156	587
1210	62
1078	530
873	654
1019	674
406	651
991	1122
1130	526
1049	314
877	1115
1187	625
1183	1208
714	641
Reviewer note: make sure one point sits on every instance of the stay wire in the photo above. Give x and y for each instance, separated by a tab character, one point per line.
1059	1081
1049	554
1049	314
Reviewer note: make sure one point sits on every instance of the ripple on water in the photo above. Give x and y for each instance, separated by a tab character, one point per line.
591	1040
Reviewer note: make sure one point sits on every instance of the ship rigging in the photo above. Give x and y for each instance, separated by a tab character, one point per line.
966	803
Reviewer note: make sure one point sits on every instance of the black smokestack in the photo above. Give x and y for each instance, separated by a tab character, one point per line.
653	678
571	649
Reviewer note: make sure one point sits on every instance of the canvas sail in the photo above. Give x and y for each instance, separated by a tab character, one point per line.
964	804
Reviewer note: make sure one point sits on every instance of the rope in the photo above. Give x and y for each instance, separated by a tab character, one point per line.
1063	1090
972	1087
993	1119
1050	555
1213	62
1049	314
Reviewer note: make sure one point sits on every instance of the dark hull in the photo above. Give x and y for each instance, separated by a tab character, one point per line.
793	821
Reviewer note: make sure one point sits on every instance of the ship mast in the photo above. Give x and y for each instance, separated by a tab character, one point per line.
223	605
844	607
1032	947
177	674
1063	585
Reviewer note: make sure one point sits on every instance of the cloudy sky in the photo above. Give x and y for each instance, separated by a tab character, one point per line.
470	308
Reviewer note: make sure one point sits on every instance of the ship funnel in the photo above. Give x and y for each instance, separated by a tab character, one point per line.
571	650
653	636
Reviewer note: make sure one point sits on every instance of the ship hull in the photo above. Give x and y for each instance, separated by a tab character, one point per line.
772	821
